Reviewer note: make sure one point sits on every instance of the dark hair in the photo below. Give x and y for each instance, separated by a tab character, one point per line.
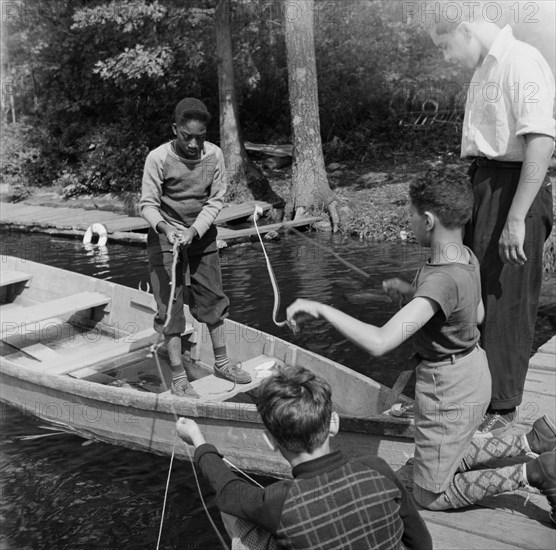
296	408
191	108
446	192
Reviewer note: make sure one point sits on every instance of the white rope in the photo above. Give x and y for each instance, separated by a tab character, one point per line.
166	493
258	210
175	252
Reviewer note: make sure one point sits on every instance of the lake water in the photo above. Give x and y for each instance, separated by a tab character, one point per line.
59	492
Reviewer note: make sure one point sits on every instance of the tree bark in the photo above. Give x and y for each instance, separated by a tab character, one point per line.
8	88
310	187
245	181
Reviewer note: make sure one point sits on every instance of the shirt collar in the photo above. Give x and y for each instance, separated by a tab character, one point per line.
319	465
500	44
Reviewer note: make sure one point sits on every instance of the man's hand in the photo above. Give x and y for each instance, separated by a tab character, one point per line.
189	431
510	245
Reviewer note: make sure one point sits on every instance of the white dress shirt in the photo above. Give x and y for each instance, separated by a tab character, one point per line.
511	94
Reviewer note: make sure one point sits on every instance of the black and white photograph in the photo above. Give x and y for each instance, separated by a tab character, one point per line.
278	274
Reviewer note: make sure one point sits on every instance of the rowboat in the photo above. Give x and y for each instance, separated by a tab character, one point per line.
78	353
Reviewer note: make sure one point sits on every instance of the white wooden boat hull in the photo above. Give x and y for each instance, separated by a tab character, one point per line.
146	420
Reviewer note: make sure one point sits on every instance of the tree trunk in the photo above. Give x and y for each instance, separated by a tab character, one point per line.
310	187
8	88
245	181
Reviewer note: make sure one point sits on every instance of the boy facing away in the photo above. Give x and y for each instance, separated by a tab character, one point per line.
332	502
508	135
184	183
453	380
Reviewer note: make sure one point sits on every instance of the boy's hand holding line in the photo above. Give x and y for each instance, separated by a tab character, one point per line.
190	432
398	289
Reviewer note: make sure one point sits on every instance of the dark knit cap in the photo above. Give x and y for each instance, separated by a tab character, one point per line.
191	107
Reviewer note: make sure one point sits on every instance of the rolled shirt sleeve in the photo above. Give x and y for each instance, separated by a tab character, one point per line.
533	102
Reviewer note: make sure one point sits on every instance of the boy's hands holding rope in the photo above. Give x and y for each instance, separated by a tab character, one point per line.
182	236
190	432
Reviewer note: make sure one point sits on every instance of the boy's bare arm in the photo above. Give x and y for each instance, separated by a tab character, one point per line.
375	340
538	151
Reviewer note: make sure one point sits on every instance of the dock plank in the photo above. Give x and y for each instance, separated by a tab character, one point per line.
225	233
517	519
124	223
237	211
543	361
548	347
446	537
497	526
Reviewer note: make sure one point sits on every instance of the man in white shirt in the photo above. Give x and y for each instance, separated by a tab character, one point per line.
509	132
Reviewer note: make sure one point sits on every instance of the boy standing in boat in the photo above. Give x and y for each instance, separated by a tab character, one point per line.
453	380
508	135
184	183
332	502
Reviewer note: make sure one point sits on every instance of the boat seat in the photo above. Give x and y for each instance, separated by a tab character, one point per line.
106	356
14	320
8	278
211	388
105	353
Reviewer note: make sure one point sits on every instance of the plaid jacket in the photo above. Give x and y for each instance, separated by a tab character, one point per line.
332	503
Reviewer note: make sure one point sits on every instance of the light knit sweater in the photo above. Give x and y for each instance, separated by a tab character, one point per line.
183	192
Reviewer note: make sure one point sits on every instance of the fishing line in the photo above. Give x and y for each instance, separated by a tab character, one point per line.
330	251
258	210
241	472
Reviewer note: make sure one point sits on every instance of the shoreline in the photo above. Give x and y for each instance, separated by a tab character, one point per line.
372	199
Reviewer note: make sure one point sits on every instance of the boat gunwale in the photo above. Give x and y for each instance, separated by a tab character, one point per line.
184	406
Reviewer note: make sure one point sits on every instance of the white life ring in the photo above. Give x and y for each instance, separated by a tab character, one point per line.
96	229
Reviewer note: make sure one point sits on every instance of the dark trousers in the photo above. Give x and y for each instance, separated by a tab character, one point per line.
510	293
205	297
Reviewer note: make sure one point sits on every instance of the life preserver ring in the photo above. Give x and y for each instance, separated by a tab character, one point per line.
96	229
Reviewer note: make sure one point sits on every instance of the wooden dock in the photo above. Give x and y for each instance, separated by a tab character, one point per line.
65	221
516	520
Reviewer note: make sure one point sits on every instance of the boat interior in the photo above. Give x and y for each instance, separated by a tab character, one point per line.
69	335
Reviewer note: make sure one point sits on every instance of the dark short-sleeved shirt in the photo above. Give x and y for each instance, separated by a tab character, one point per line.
456	288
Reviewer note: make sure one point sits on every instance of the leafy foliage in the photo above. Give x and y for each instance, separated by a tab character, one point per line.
96	82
